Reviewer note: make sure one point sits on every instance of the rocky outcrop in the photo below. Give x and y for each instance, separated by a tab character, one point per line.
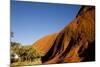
74	43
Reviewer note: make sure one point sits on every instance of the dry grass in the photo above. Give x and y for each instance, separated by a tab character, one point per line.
26	63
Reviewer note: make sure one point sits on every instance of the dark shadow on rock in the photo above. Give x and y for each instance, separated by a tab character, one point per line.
89	53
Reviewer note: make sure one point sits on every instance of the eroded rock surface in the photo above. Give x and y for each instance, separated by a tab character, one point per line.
74	43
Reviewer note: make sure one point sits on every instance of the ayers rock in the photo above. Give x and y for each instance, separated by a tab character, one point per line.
74	43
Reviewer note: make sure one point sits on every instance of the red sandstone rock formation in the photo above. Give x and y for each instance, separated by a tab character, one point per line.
74	43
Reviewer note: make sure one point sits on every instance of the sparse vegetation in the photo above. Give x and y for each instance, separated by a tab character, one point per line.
27	55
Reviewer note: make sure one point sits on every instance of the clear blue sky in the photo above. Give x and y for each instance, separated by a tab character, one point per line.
32	20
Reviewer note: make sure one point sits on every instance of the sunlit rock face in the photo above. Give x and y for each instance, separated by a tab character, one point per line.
74	43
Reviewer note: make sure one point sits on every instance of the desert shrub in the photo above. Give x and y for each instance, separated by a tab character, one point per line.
25	53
